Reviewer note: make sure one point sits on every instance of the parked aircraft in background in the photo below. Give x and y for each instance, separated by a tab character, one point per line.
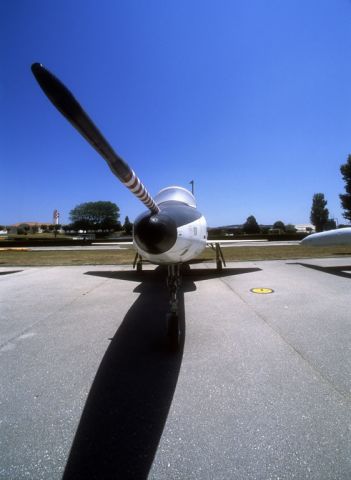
340	236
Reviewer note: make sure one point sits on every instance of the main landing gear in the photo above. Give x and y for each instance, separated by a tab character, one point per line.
219	256
174	281
138	262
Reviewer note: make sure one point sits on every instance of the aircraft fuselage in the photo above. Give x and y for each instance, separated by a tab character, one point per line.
176	234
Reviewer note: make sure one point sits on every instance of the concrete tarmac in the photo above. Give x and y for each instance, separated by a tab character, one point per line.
260	388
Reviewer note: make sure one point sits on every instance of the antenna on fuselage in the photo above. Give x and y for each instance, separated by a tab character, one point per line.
64	101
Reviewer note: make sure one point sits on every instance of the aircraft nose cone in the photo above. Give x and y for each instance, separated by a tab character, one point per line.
155	234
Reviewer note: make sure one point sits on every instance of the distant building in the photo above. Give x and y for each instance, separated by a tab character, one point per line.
305	228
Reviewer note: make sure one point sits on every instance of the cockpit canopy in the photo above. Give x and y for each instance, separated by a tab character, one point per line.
177	194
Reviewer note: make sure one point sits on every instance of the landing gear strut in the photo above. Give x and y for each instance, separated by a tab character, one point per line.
174	281
219	258
138	262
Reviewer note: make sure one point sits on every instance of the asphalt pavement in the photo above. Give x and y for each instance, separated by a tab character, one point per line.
260	388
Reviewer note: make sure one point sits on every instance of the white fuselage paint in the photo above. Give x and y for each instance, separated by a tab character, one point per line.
341	236
191	241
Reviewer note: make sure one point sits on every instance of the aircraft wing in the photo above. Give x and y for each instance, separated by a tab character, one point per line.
340	236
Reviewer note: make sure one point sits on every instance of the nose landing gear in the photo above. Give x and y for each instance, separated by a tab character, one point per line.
174	281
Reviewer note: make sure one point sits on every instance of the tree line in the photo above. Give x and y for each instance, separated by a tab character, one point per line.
319	214
98	216
90	216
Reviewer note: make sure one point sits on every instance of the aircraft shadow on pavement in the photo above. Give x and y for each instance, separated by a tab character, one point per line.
8	272
339	271
193	274
128	403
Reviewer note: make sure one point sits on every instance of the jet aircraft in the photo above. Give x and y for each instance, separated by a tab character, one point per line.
171	231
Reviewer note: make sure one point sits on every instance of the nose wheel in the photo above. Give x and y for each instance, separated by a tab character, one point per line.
174	281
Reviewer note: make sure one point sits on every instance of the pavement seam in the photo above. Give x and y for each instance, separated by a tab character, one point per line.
318	373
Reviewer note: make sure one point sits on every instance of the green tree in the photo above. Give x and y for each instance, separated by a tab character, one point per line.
95	216
24	227
346	197
127	226
280	225
57	227
290	228
251	225
330	225
319	213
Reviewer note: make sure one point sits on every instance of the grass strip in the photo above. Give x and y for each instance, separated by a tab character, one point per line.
126	256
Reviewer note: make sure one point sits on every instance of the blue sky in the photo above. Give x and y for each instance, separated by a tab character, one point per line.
249	98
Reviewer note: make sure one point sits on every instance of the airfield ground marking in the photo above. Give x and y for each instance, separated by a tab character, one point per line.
262	291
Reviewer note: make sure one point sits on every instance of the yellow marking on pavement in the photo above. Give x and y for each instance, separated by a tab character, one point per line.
263	291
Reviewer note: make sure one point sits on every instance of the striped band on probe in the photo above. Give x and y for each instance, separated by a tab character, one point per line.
133	183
